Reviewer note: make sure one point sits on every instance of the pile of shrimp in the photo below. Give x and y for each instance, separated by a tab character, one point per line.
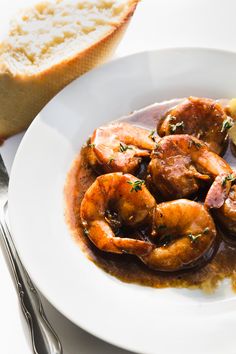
157	218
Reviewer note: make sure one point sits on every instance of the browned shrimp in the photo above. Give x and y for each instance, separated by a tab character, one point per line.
188	233
119	147
221	197
201	117
181	164
117	199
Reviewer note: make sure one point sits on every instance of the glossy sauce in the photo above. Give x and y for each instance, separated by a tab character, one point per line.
128	268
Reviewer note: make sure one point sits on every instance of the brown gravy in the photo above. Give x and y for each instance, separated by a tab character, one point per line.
129	268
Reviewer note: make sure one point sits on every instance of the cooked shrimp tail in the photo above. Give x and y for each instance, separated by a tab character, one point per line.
124	196
184	233
102	235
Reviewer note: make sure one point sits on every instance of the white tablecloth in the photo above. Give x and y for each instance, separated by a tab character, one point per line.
156	24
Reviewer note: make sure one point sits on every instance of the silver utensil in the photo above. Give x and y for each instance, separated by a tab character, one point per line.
44	339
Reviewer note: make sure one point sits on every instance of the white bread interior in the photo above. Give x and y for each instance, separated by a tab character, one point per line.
48	46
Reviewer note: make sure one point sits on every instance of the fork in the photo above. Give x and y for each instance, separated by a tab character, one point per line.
44	338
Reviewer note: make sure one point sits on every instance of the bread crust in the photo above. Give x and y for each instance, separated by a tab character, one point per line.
22	96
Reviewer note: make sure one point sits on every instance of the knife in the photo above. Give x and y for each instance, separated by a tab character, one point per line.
44	338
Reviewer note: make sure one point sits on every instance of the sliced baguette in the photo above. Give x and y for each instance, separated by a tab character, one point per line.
50	45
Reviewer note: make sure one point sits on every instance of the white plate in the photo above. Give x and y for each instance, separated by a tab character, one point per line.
138	318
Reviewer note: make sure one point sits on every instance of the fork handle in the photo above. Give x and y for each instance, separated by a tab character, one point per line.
44	339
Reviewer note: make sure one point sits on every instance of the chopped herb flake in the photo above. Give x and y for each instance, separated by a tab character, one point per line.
227	124
193	238
196	144
124	147
110	160
230	178
173	127
151	135
136	185
171	118
91	145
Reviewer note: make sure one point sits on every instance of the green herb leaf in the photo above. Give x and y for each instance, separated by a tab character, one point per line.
110	160
151	135
227	124
171	118
91	145
124	147
136	185
230	177
196	144
193	238
155	151
173	127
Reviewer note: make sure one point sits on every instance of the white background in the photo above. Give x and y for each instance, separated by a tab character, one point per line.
156	24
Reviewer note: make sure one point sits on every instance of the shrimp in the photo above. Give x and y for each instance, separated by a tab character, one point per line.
186	234
201	117
180	233
221	198
119	147
182	164
117	199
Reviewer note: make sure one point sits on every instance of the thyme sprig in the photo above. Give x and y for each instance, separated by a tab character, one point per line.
136	185
193	238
